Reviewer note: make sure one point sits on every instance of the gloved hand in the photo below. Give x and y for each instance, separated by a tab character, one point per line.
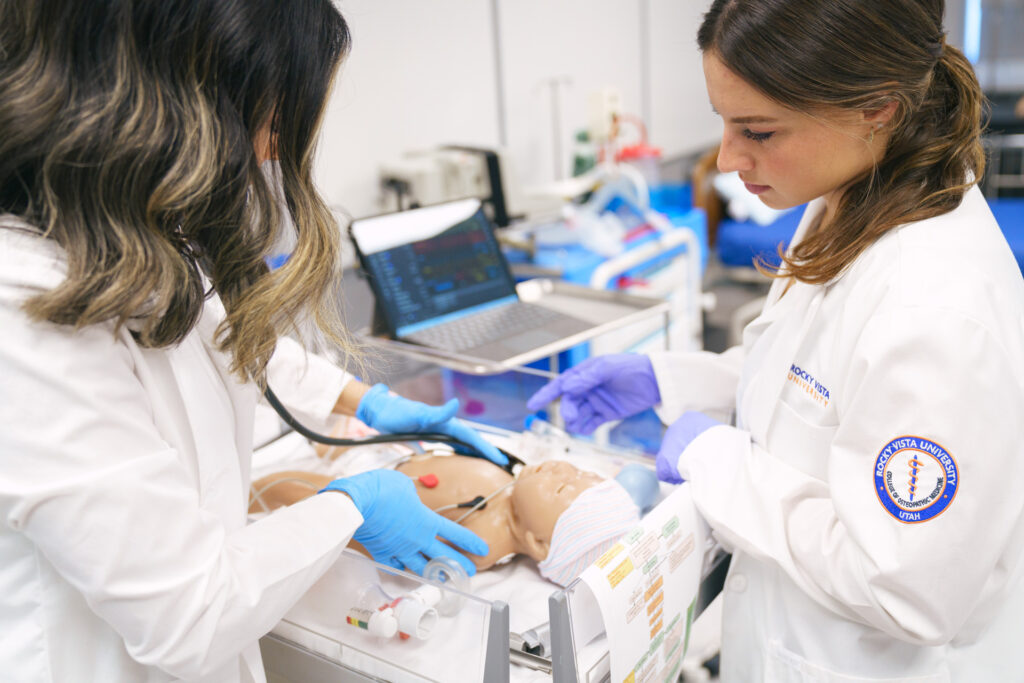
600	389
386	412
397	529
677	437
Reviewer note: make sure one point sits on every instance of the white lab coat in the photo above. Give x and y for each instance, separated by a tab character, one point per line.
922	337
124	551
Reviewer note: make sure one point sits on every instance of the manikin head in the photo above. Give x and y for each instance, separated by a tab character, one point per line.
565	518
541	494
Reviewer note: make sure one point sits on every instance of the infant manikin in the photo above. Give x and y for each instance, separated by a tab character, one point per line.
559	515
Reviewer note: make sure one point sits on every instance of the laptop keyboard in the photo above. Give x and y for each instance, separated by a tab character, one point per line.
485	327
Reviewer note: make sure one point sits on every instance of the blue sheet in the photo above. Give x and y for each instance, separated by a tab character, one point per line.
738	243
1010	215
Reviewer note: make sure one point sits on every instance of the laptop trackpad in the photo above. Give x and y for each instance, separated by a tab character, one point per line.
530	340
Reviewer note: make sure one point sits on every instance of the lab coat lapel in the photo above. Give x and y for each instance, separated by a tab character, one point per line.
780	285
773	338
212	419
242	396
774	351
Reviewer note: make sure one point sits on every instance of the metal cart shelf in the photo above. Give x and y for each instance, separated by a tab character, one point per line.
609	311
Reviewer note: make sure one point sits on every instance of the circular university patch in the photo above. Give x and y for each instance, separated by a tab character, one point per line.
915	479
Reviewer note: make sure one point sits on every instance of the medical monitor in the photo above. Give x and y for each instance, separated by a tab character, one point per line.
428	264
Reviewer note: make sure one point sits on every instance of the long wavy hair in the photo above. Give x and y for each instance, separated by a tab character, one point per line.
127	131
820	56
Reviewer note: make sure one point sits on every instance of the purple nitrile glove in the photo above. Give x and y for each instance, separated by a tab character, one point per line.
677	437
600	389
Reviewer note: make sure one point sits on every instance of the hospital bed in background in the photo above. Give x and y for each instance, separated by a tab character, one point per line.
511	624
650	243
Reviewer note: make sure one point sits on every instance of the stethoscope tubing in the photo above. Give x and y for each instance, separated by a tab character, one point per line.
292	422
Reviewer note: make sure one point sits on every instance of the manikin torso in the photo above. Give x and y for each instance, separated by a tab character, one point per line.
518	518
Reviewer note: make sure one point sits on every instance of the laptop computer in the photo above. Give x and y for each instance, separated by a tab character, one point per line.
441	281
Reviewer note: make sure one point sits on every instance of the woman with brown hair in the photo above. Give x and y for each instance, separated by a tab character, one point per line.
858	452
140	320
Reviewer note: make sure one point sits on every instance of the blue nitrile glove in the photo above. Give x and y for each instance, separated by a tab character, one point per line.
397	529
386	412
600	389
677	437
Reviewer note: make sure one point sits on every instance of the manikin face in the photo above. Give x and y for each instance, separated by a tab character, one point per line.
786	157
542	493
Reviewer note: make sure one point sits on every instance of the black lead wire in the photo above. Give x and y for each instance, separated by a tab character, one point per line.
292	422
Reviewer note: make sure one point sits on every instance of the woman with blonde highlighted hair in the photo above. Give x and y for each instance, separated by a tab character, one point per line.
139	321
858	452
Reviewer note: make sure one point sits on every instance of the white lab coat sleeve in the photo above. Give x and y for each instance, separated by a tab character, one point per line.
699	380
108	503
931	373
307	384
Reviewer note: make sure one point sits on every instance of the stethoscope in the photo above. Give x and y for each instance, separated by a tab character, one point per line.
290	420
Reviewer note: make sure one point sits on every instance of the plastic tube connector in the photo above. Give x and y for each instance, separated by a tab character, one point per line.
448	571
416	619
379	622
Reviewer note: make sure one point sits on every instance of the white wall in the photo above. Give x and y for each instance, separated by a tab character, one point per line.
420	74
681	119
430	72
586	45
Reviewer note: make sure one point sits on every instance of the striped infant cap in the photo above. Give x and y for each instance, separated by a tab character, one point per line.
587	528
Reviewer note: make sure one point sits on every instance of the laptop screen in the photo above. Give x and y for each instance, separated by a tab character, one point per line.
432	264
